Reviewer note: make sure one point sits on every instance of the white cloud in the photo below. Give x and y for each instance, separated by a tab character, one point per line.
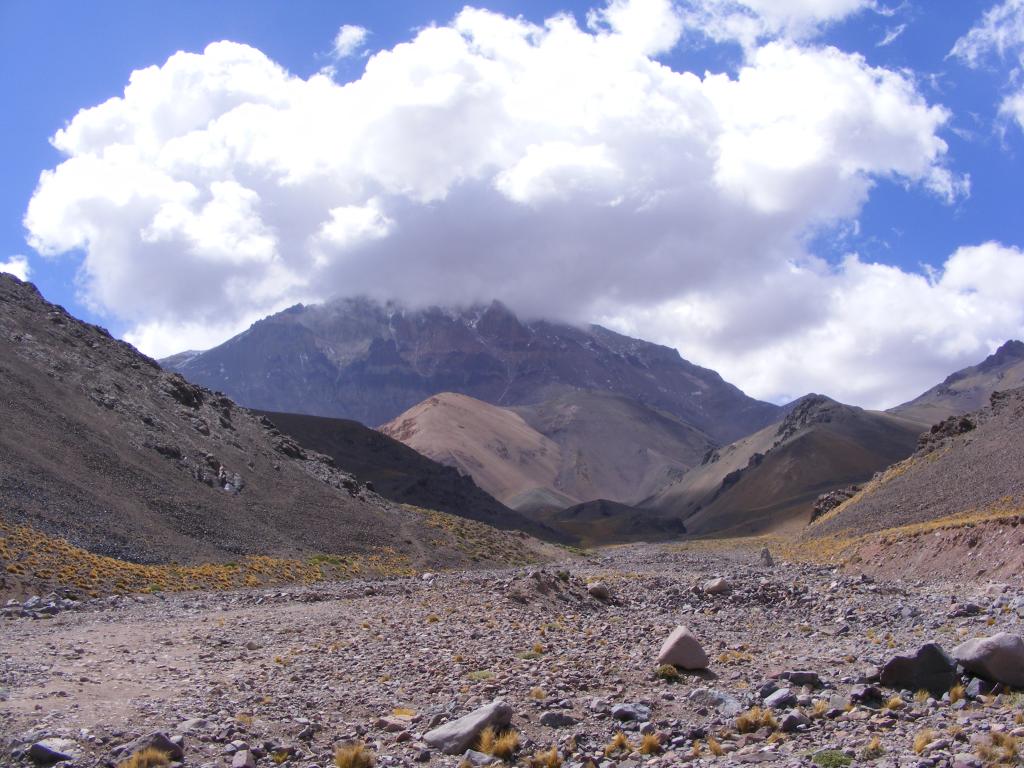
349	40
750	21
562	170
860	332
892	35
1000	32
17	266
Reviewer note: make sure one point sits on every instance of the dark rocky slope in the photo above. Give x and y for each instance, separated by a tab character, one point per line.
772	478
972	466
102	447
358	359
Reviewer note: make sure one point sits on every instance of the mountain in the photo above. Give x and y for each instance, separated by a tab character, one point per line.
966	465
101	447
575	448
400	473
771	479
969	389
358	359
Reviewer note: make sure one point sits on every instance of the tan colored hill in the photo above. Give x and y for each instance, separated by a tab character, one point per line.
969	389
771	479
577	447
102	448
967	468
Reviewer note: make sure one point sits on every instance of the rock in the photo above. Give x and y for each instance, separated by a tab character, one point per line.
599	590
801	678
243	759
157	740
682	649
557	720
723	702
456	737
631	712
929	668
781	699
717	586
999	658
766	558
479	758
53	751
192	724
793	720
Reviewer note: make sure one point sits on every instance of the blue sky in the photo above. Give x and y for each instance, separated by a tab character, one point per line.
62	57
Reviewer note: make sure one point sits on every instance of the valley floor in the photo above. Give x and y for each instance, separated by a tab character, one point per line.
291	673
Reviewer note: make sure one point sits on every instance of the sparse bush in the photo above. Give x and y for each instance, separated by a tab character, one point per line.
922	739
619	743
354	755
650	744
872	750
501	745
667	672
831	758
756	718
150	757
547	758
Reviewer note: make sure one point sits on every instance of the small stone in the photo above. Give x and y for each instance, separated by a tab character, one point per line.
781	699
793	720
243	759
479	758
626	712
557	720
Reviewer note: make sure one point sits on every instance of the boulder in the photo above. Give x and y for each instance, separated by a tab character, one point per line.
627	712
50	751
599	590
682	649
929	668
999	658
723	702
456	737
156	740
717	586
793	721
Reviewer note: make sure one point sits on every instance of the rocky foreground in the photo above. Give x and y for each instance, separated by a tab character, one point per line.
802	669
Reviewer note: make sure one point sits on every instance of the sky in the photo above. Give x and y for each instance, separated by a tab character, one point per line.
805	195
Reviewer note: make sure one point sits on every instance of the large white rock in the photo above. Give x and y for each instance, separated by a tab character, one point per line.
717	586
456	737
683	650
999	658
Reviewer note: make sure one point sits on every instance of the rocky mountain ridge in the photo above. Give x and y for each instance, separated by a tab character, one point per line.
360	359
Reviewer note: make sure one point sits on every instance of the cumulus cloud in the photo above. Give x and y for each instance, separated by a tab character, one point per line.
349	40
1000	33
564	170
17	266
865	333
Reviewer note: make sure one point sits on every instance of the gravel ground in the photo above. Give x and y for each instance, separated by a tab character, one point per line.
284	677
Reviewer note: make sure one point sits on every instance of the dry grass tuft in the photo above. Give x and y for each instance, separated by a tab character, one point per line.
894	703
714	747
957	693
872	750
538	694
547	758
922	696
501	745
819	708
619	743
756	718
150	757
354	756
922	739
650	745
